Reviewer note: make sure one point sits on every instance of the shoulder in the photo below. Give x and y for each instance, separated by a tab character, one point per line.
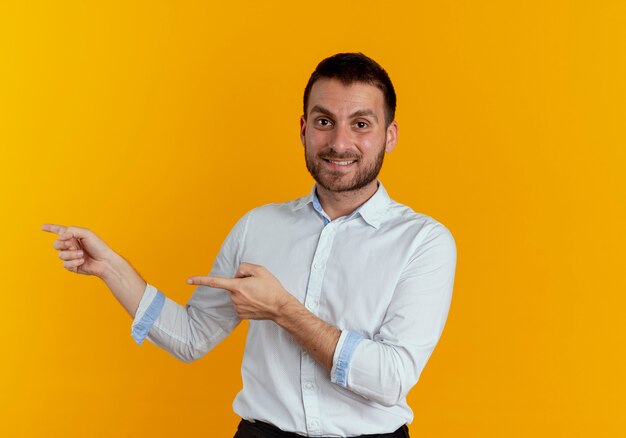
269	213
423	229
402	215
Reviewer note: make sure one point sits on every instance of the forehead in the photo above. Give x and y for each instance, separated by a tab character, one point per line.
339	98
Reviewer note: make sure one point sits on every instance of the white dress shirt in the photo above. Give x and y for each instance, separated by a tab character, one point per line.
383	275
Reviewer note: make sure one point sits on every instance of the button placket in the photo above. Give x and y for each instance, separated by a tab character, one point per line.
318	267
311	302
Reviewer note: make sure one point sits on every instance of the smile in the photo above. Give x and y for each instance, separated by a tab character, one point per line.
340	163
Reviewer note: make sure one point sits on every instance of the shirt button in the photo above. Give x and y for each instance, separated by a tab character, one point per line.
317	266
309	386
313	423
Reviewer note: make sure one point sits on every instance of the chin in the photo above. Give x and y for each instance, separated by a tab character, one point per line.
338	187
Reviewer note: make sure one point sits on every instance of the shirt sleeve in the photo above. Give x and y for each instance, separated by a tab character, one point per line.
385	368
147	312
189	332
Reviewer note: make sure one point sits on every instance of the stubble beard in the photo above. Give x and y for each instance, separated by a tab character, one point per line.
332	180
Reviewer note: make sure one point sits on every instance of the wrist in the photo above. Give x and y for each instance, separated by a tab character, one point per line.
113	268
125	283
289	307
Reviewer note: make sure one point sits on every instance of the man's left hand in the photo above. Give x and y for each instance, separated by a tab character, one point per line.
255	292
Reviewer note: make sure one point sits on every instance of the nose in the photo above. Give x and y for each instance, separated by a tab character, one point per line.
341	138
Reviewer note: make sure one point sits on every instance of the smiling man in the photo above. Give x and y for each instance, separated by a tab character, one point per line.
346	290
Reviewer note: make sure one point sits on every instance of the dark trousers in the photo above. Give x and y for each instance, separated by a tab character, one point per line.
259	429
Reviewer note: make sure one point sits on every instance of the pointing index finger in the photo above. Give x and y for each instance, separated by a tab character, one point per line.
230	284
53	228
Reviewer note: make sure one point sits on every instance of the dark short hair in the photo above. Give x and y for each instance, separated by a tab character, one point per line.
355	67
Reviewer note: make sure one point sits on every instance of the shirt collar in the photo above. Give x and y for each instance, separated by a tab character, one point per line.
372	211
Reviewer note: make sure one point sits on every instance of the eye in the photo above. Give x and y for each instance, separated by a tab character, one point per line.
323	122
361	125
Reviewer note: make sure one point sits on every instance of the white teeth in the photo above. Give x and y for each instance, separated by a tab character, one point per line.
342	163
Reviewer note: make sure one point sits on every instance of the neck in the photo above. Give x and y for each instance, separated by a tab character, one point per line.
338	204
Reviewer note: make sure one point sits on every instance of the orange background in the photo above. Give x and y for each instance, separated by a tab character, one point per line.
158	124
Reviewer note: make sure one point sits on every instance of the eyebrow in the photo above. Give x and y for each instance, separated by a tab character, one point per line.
358	113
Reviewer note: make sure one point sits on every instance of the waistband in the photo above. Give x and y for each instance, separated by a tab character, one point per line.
259	429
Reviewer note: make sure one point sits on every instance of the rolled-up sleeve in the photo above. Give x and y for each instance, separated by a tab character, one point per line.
385	368
189	332
148	311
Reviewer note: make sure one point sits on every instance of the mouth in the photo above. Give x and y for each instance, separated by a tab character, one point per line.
339	164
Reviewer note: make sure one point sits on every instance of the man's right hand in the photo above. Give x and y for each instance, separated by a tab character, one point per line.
81	250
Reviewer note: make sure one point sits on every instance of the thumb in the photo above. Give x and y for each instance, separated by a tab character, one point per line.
248	270
74	232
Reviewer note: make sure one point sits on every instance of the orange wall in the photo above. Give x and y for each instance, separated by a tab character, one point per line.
158	124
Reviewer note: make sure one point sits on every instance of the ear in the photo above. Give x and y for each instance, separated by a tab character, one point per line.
302	129
392	136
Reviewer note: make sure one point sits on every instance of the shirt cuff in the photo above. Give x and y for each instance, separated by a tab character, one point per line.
348	341
148	311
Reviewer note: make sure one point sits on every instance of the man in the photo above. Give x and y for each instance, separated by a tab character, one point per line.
346	290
